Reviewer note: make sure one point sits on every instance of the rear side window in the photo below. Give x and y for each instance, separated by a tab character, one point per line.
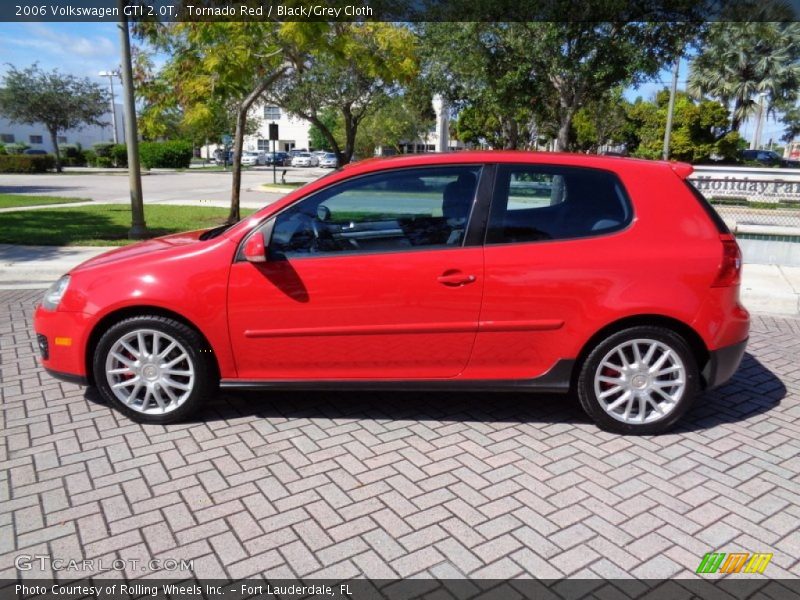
538	203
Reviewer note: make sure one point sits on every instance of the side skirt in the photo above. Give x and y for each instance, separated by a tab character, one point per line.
555	381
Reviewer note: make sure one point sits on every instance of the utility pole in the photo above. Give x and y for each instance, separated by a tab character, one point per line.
671	108
111	75
138	228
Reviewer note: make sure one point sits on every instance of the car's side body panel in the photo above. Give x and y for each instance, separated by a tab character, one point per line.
532	306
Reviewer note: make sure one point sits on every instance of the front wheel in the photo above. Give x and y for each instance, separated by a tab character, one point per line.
639	381
153	369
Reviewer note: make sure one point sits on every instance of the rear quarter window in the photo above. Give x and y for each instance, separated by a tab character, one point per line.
542	202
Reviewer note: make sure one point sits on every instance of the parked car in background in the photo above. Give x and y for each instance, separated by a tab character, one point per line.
251	158
34	151
280	158
610	278
768	158
329	161
304	159
222	157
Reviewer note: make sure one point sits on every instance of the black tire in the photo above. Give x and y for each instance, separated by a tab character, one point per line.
589	368
205	381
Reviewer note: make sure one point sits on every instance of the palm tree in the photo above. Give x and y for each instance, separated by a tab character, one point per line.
741	60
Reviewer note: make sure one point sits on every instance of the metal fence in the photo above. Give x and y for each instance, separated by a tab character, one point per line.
755	200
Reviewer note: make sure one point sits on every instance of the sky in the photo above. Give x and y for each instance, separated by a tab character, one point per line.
84	49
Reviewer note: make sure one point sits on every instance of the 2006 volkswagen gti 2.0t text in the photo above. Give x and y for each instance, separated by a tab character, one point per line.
609	277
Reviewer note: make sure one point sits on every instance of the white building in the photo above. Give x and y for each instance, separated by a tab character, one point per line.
37	137
293	133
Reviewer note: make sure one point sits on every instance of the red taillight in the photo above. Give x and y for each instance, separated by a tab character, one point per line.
730	270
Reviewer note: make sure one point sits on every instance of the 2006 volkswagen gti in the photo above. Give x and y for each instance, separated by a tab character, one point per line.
609	277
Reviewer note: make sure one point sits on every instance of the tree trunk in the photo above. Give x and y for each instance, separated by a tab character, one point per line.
238	141
54	139
328	136
562	141
350	128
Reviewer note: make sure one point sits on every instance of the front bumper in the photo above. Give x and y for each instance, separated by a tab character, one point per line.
62	338
723	363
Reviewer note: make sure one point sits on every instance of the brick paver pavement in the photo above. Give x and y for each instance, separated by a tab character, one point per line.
387	485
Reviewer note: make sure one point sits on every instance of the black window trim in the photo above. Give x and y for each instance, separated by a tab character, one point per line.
530	165
473	236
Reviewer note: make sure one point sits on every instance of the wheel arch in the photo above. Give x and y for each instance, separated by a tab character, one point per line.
137	311
693	339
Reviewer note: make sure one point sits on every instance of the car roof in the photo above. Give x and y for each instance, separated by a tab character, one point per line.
610	163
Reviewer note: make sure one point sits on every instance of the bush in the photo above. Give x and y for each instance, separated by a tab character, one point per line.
16	148
2	149
90	156
104	162
26	163
103	149
72	155
119	154
166	155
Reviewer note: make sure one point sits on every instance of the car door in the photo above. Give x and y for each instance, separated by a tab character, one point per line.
370	278
552	261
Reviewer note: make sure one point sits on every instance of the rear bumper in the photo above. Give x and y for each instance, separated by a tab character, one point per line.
722	364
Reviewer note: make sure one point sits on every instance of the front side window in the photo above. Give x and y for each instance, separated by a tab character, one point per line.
538	203
386	212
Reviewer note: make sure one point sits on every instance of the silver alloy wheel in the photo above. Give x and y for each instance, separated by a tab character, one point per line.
150	371
640	381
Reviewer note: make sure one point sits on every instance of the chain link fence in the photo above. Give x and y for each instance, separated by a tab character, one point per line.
754	200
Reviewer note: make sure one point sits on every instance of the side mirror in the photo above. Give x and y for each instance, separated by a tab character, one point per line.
255	250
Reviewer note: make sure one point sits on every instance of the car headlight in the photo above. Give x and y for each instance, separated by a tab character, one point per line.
53	295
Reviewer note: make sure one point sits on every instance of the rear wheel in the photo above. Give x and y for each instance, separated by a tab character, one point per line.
639	381
153	369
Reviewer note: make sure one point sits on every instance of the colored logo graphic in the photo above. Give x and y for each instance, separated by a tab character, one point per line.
736	562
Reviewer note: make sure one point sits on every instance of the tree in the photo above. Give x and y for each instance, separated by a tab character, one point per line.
602	122
331	121
550	69
219	64
350	67
59	102
699	129
739	61
401	118
483	70
581	61
791	123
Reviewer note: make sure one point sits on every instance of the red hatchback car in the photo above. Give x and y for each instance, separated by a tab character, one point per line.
610	277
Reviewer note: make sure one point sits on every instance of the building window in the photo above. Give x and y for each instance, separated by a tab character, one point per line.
35	139
7	138
263	145
62	139
272	113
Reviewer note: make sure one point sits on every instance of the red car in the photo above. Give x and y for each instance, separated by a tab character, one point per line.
609	277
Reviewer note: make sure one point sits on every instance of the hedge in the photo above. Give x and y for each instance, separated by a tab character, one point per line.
103	148
16	148
166	155
119	154
26	163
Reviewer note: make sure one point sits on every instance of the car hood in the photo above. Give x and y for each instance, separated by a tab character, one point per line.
146	247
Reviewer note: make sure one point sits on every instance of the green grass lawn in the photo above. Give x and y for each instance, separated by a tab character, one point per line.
14	200
102	224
